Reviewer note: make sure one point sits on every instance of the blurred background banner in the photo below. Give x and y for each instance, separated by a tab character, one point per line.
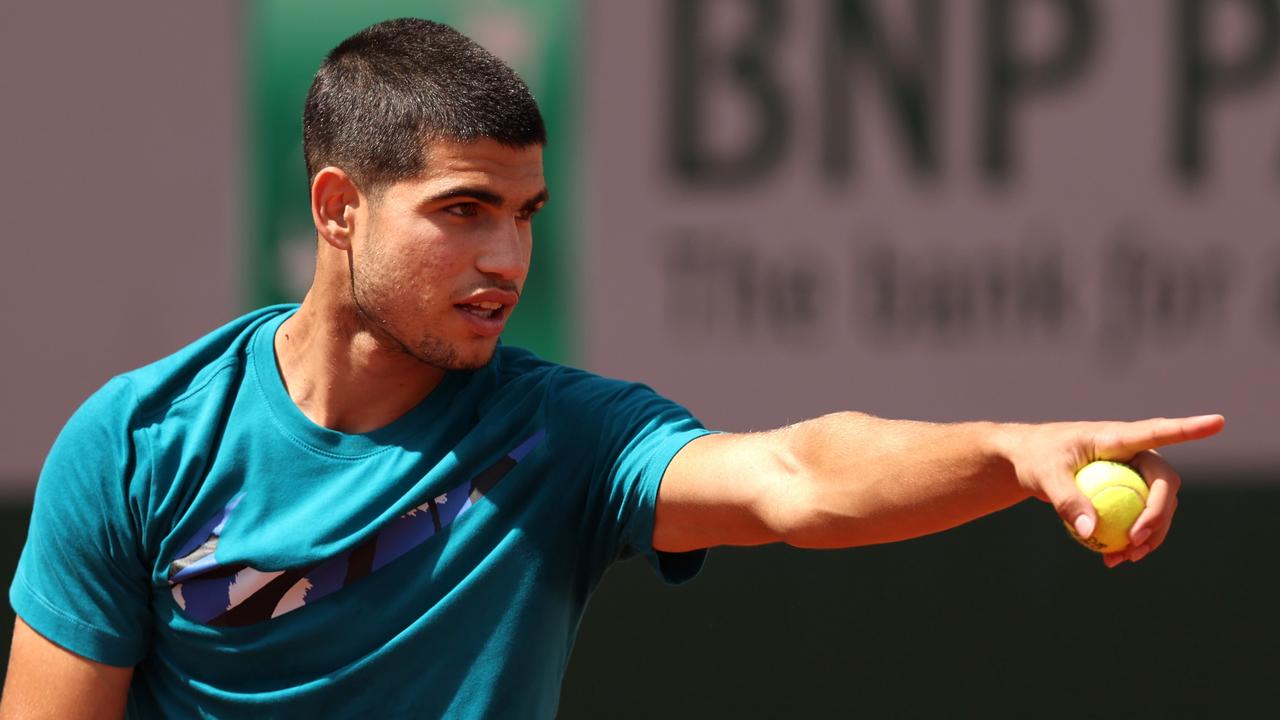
120	185
1004	209
1007	209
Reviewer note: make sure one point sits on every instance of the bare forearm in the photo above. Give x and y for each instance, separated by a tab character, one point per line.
862	480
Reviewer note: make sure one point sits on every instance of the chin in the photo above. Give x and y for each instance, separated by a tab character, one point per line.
460	356
472	363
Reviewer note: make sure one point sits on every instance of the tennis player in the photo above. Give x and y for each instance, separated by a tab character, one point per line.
365	506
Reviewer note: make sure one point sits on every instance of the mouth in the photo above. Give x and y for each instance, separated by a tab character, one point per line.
483	310
486	312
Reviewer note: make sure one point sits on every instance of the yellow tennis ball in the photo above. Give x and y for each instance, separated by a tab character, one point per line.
1119	494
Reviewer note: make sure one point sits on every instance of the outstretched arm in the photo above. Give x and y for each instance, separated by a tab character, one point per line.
851	479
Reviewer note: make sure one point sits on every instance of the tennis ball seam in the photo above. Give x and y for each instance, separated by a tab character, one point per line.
1130	503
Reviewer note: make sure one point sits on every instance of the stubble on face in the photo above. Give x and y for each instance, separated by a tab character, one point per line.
375	304
429	243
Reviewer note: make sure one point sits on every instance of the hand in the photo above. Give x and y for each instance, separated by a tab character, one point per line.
1046	458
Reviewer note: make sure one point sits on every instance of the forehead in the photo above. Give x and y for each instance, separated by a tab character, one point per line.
481	163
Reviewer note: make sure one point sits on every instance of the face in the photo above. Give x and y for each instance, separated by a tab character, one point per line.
442	258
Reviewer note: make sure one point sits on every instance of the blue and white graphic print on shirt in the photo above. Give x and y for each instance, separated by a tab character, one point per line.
237	594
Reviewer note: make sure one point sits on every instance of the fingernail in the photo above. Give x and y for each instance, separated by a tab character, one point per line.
1084	525
1141	537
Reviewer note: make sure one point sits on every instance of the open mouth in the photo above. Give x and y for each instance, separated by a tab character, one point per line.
486	310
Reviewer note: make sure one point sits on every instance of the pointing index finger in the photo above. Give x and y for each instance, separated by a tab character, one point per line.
1124	440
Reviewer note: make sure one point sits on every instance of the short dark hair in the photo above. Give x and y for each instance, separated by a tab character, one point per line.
385	92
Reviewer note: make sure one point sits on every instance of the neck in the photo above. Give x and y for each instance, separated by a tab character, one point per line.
341	373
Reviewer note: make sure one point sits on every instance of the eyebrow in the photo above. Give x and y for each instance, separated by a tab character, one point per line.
488	197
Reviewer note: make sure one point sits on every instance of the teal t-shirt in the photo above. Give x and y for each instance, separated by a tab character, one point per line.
192	522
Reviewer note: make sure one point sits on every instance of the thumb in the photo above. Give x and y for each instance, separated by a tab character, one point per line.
1074	508
1084	523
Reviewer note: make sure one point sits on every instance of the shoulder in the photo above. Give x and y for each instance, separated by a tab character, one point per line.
218	356
515	365
127	401
597	405
122	408
521	371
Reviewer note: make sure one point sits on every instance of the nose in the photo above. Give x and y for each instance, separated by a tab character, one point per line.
507	251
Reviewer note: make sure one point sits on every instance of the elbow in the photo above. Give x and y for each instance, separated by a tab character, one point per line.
814	504
780	491
798	511
809	522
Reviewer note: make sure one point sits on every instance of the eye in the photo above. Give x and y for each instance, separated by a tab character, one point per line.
527	214
466	209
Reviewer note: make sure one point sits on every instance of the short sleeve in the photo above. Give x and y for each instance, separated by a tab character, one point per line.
634	433
81	581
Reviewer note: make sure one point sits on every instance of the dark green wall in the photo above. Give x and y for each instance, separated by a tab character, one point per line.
1004	617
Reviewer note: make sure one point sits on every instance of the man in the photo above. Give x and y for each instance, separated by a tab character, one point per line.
364	506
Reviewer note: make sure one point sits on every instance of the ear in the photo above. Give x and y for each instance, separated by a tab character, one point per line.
334	200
